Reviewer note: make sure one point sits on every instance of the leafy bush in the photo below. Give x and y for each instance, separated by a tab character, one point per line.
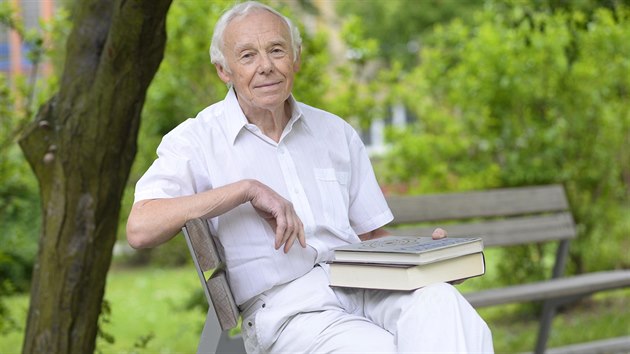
521	97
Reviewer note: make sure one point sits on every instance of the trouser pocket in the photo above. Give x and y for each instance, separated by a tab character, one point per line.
250	335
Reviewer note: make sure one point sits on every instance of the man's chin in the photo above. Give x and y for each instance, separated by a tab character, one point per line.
272	99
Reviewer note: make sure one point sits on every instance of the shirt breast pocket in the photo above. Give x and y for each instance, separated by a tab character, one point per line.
333	190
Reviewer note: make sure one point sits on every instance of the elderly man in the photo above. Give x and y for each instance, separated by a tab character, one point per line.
282	183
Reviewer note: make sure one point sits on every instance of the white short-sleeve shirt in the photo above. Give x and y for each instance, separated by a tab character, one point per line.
319	164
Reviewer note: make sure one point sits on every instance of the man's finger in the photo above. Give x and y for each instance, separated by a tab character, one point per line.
438	233
302	236
289	243
280	231
288	237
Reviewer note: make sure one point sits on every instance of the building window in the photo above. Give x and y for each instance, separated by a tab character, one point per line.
374	137
13	52
4	49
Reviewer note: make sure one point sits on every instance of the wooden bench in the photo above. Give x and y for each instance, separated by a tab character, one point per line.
503	217
509	217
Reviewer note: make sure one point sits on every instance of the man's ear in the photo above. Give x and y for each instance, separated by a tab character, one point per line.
223	73
298	60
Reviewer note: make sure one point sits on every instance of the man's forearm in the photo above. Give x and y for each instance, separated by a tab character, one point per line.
378	233
155	221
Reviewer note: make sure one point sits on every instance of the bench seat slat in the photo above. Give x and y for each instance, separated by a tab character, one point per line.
492	203
552	289
505	232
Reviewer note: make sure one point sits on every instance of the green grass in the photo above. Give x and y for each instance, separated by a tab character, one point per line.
146	305
149	304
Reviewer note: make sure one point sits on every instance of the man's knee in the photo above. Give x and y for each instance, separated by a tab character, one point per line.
440	294
441	290
359	337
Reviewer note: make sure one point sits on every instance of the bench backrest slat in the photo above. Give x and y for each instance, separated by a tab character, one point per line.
505	232
492	203
503	217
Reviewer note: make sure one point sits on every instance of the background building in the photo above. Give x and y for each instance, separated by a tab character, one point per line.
13	52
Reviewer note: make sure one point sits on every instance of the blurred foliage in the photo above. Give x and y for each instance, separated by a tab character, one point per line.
398	26
361	47
20	211
19	201
526	97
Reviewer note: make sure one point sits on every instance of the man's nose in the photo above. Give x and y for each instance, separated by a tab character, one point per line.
265	65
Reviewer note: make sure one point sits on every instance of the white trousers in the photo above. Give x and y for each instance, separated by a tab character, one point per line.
308	316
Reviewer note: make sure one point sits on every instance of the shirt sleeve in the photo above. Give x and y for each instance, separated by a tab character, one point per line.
368	208
176	171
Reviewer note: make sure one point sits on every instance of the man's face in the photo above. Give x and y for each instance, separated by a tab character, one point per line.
258	52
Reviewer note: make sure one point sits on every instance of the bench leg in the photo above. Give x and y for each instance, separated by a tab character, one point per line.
210	336
230	345
215	341
548	312
550	306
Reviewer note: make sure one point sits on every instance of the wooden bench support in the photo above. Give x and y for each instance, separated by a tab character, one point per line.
620	345
221	341
556	292
578	285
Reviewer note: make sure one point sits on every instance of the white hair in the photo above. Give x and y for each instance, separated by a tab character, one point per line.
242	9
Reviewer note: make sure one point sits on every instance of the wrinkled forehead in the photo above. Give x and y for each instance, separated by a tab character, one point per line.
255	25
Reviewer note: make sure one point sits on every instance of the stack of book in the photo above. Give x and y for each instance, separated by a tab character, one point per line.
406	262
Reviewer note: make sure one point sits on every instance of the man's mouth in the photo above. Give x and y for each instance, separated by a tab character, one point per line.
267	84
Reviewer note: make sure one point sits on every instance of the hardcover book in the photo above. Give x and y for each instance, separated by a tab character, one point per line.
407	250
406	277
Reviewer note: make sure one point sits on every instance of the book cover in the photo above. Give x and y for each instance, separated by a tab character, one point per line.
407	250
406	277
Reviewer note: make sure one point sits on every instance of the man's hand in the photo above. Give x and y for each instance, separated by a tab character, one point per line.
280	215
374	234
438	233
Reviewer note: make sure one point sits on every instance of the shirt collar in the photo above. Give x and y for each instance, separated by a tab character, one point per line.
236	121
296	114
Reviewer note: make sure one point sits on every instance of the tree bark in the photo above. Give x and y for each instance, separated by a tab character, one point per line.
81	147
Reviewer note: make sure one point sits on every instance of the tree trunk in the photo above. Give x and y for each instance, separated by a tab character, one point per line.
81	148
